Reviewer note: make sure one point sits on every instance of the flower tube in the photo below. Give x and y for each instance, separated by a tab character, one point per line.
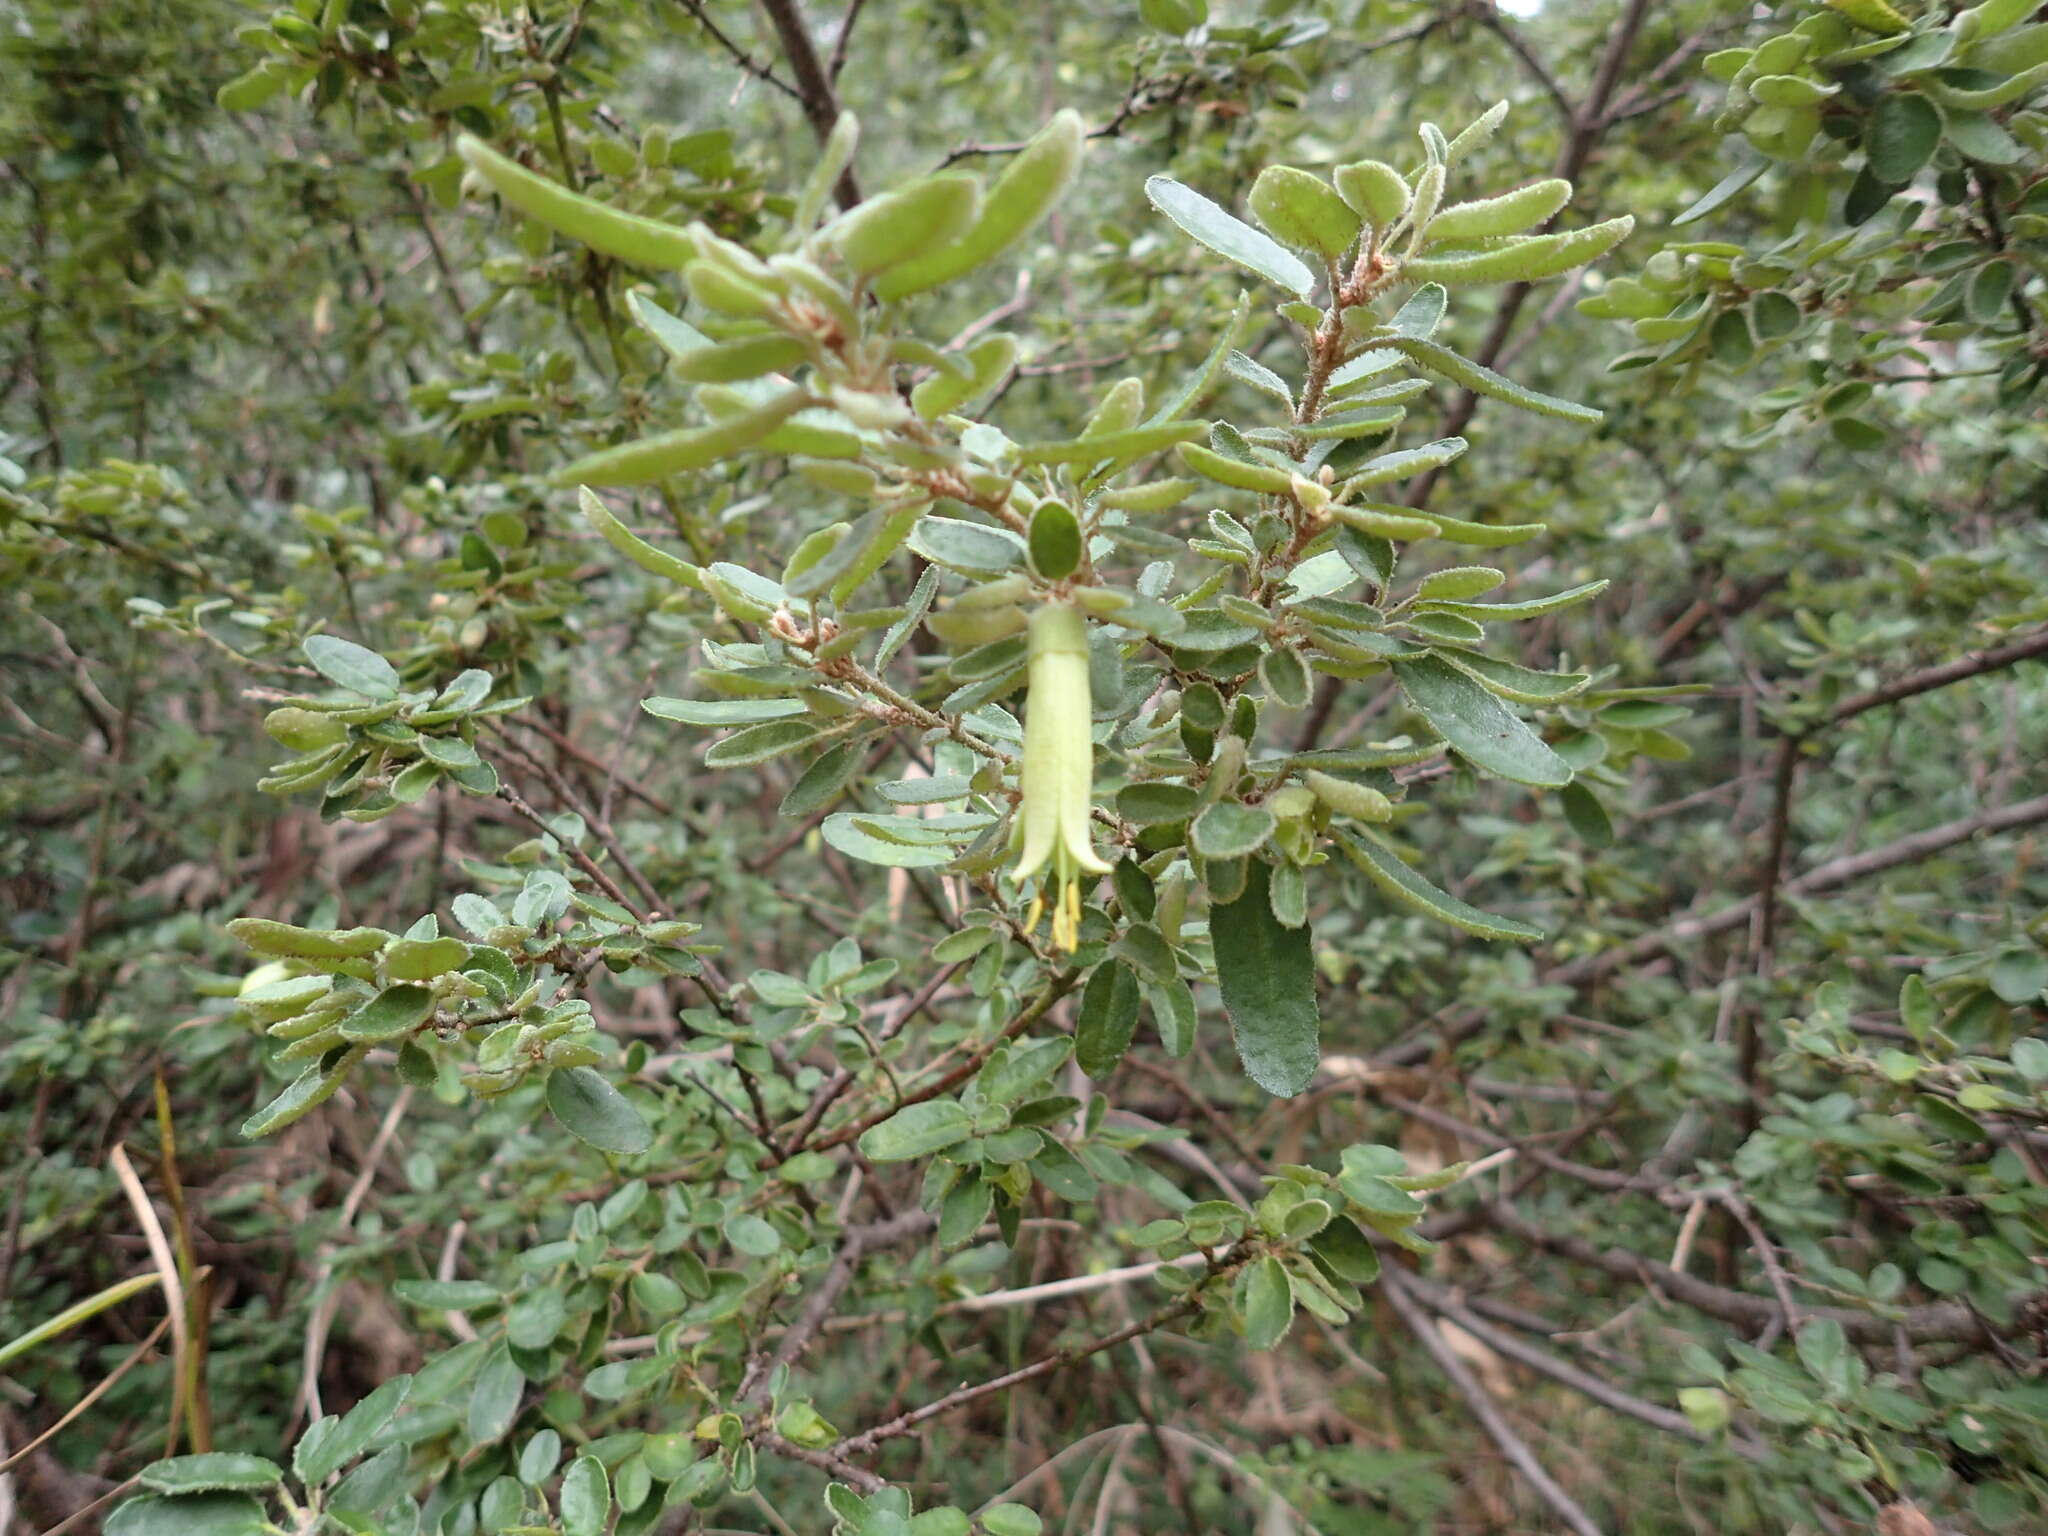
1059	769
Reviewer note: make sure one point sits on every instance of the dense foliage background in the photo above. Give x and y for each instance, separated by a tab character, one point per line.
1752	1233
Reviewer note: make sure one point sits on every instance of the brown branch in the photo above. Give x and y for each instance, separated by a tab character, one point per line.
854	1246
1784	774
814	85
904	1423
740	56
840	43
1822	877
1446	1304
1518	45
1394	1286
1940	1322
1975	664
1055	989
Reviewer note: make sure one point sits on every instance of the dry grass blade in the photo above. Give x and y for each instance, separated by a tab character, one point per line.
167	1271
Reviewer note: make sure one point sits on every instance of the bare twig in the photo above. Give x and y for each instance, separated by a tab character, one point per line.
814	84
1394	1286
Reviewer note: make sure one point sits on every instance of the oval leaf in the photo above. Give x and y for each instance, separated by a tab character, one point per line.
592	1110
1267	976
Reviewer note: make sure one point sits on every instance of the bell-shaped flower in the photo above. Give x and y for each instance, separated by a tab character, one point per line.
1059	769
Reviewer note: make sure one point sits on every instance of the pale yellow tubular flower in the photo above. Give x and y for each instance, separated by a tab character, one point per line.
1059	769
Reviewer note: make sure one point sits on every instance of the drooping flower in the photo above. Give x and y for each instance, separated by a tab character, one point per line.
1059	769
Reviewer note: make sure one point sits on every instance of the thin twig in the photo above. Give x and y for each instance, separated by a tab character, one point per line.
1394	1286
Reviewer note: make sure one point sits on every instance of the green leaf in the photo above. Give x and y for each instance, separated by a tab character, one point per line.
824	779
916	1130
1124	446
1107	1018
751	1235
1395	879
1026	191
1267	976
394	1011
1285	678
535	1318
586	1498
592	1110
1227	830
636	549
1197	384
307	1091
211	1471
494	1400
192	1514
761	743
975	549
1229	237
447	1295
673	453
1823	1348
354	667
1478	726
1904	130
251	89
1055	540
1268	1303
845	832
1482	380
643	242
1508	214
349	1436
1243	474
723	712
1588	817
1521	684
1011	1520
1522	258
1726	189
424	959
892	228
1303	211
1978	136
1173	1015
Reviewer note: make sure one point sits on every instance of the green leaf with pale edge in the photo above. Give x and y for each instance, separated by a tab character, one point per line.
1482	380
1227	830
1107	1019
845	832
1728	187
1534	608
1132	443
721	712
636	549
317	1458
916	1130
1268	1303
211	1471
191	1514
596	1112
354	667
1391	874
310	1089
1905	130
393	1012
586	1498
1228	236
1267	975
1478	726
